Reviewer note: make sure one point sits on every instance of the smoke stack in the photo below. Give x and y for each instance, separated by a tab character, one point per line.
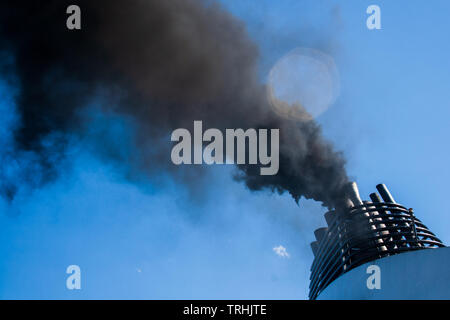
385	194
353	193
348	203
363	233
330	216
387	197
320	233
315	247
375	197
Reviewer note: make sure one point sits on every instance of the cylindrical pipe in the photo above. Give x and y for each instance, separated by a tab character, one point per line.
384	193
348	203
315	247
388	198
320	233
375	197
330	216
353	194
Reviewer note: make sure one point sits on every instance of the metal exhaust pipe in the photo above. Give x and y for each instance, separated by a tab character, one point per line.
388	198
375	197
348	203
320	233
353	194
315	248
385	194
330	217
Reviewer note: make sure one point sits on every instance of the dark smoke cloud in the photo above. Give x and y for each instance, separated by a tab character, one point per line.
162	63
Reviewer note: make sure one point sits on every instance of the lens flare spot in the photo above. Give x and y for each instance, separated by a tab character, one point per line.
303	84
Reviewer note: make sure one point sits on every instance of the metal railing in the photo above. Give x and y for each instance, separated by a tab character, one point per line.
365	233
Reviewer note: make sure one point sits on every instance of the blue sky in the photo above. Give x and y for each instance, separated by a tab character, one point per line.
155	242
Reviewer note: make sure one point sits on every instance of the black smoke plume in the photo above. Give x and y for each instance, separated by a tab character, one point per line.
162	63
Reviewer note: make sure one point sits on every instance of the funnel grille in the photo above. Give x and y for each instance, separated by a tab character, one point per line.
365	233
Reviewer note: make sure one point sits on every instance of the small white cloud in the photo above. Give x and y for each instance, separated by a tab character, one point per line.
138	270
281	251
